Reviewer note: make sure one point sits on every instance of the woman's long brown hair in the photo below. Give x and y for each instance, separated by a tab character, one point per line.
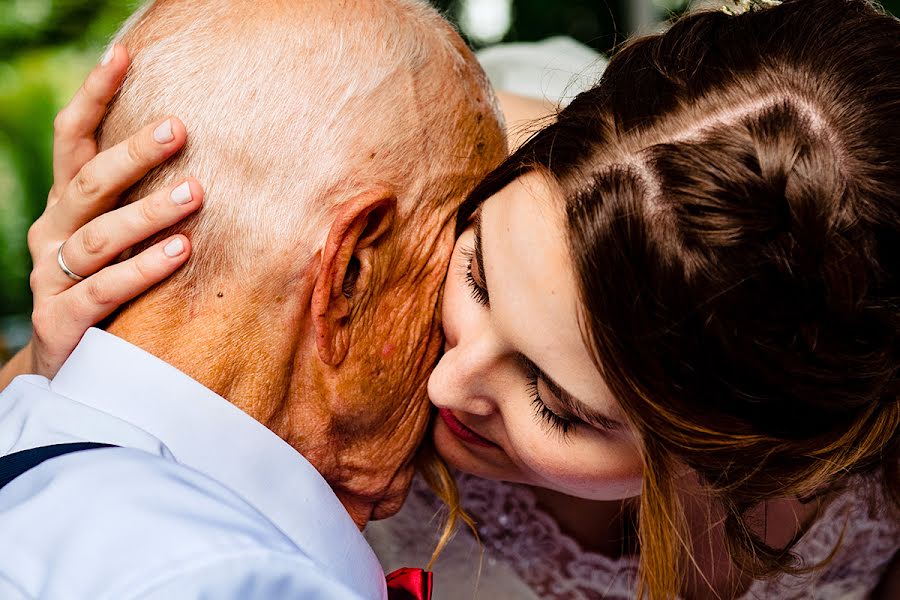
732	189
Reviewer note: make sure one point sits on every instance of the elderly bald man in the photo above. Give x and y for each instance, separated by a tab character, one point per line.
267	400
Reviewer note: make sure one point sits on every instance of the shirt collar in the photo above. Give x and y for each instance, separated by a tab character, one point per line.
207	433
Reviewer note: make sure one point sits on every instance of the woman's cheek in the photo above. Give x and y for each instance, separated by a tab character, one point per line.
540	452
587	467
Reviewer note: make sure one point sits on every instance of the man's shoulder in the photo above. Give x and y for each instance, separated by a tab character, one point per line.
113	522
125	484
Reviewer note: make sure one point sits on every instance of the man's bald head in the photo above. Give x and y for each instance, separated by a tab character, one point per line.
293	106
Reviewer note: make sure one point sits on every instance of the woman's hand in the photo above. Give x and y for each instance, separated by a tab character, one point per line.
86	185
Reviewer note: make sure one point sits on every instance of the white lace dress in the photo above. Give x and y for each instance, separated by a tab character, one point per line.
527	557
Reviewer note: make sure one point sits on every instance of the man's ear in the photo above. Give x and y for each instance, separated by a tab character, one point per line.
346	268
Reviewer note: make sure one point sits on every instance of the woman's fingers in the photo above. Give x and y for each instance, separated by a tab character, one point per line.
97	186
96	297
59	325
86	185
99	242
73	140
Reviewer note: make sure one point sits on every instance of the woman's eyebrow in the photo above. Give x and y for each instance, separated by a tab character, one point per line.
571	404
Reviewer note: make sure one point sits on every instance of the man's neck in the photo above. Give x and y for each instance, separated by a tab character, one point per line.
224	349
255	356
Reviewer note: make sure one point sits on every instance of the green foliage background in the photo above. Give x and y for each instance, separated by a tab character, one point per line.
48	46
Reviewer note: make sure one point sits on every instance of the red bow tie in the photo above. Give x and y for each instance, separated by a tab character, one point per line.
409	584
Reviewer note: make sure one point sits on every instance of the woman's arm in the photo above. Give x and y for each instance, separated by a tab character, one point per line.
86	185
523	116
19	364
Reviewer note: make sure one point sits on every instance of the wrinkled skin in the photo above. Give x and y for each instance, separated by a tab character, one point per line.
357	415
358	423
381	407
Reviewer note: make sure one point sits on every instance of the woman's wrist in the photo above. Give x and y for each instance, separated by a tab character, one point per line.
20	364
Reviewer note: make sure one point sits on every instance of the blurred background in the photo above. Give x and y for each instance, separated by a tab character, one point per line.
48	46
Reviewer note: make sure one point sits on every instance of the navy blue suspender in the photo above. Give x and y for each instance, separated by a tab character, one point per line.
18	463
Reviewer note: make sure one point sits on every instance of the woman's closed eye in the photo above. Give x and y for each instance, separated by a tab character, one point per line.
542	412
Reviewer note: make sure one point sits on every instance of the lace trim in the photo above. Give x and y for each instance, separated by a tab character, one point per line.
515	530
868	535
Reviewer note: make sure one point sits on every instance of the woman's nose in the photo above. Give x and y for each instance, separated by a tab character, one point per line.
464	377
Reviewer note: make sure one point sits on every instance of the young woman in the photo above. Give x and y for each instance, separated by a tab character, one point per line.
683	295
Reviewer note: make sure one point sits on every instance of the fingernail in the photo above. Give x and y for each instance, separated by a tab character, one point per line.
107	58
174	248
163	134
181	194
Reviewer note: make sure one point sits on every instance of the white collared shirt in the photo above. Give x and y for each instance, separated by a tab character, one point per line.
200	501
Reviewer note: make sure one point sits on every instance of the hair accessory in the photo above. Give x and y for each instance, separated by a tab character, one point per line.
742	6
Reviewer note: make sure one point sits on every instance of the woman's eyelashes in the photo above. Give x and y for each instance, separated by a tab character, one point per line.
478	291
543	413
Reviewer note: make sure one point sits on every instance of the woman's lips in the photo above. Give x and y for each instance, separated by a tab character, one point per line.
463	432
